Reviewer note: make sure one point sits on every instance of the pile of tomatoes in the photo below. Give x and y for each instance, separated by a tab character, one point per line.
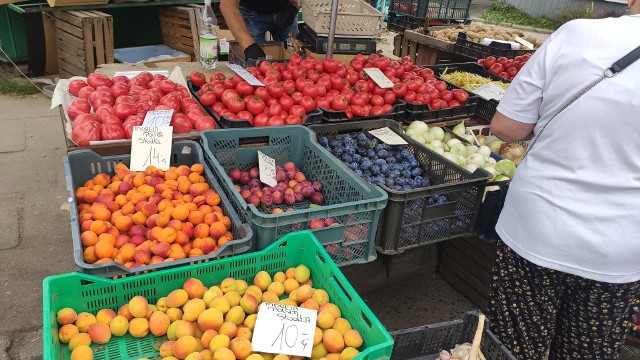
108	109
503	67
295	88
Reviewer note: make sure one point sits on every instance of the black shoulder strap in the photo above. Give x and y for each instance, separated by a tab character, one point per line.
627	60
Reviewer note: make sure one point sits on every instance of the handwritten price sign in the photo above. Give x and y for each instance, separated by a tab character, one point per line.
379	77
267	167
150	146
158	118
284	329
245	75
388	136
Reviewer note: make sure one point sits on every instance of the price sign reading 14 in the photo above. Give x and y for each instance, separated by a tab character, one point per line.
150	146
284	329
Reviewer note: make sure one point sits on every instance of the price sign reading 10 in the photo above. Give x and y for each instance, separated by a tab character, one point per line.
284	329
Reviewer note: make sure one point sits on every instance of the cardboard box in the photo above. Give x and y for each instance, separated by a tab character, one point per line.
275	51
345	58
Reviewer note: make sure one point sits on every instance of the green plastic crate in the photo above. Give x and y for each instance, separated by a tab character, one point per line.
82	165
354	204
13	35
88	293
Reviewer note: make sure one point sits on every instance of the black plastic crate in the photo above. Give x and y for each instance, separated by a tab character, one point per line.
426	342
432	9
411	218
399	22
335	116
422	112
478	51
314	117
486	108
341	45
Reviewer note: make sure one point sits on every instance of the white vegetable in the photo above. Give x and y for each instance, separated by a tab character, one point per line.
438	133
447	136
452	157
419	127
419	138
476	159
429	146
495	146
491	161
429	136
437	143
484	150
462	161
469	139
501	178
452	142
493	171
439	150
458	149
410	132
471	149
506	167
471	167
459	129
482	140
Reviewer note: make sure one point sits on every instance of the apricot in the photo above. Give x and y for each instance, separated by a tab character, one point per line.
223	240
201	231
177	298
124	311
211	293
192	309
194	288
99	226
305	292
290	285
310	304
319	351
276	287
236	314
79	340
220	303
207	336
288	302
166	349
255	291
174	314
241	347
159	323
302	273
332	341
66	316
207	245
250	321
219	341
249	304
279	277
119	325
88	238
184	328
331	307
341	325
82	352
194	356
139	327
217	230
352	338
66	332
167	235
105	316
227	285
84	321
244	332
100	333
138	306
224	354
320	296
184	346
210	319
349	353
255	357
317	337
326	319
103	249
270	297
228	328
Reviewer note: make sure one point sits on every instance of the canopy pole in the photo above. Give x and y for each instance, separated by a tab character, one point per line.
332	28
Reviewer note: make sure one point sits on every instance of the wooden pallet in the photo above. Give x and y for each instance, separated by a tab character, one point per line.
84	40
466	265
424	49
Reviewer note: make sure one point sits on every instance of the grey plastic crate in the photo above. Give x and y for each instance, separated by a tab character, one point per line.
82	165
426	342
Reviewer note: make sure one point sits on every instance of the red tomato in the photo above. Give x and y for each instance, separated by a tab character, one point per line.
513	71
275	121
313	75
197	78
82	105
496	68
103	111
275	90
236	104
339	102
260	120
357	66
124	110
264	66
274	110
289	87
330	65
75	86
205	123
142	79
208	98
376	110
218	107
376	100
111	131
83	132
446	95
308	103
297	110
337	82
255	105
228	94
323	103
382	63
352	77
243	88
358	110
228	84
460	95
389	97
84	92
272	101
293	120
217	76
301	83
245	115
94	80
286	102
127	99
410	96
181	123
74	111
262	93
311	91
387	108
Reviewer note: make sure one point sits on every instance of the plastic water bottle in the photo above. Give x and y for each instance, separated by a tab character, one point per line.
208	38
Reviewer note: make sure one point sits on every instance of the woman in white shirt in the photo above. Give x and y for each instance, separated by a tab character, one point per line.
568	265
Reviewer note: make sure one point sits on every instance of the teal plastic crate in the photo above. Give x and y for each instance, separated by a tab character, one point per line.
83	292
82	165
13	35
355	205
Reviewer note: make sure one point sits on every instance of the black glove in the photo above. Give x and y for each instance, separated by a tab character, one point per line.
285	17
254	51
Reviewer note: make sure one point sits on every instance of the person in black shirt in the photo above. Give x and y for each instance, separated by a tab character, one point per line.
249	20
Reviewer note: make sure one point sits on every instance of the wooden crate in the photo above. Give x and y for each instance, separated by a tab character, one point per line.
466	264
424	49
84	40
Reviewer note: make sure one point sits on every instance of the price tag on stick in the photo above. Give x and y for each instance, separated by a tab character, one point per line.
388	136
490	91
245	75
379	77
284	329
150	146
158	118
267	167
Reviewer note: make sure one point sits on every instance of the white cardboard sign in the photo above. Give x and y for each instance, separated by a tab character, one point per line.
490	91
284	329
525	43
245	75
150	146
388	136
267	167
157	118
379	77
